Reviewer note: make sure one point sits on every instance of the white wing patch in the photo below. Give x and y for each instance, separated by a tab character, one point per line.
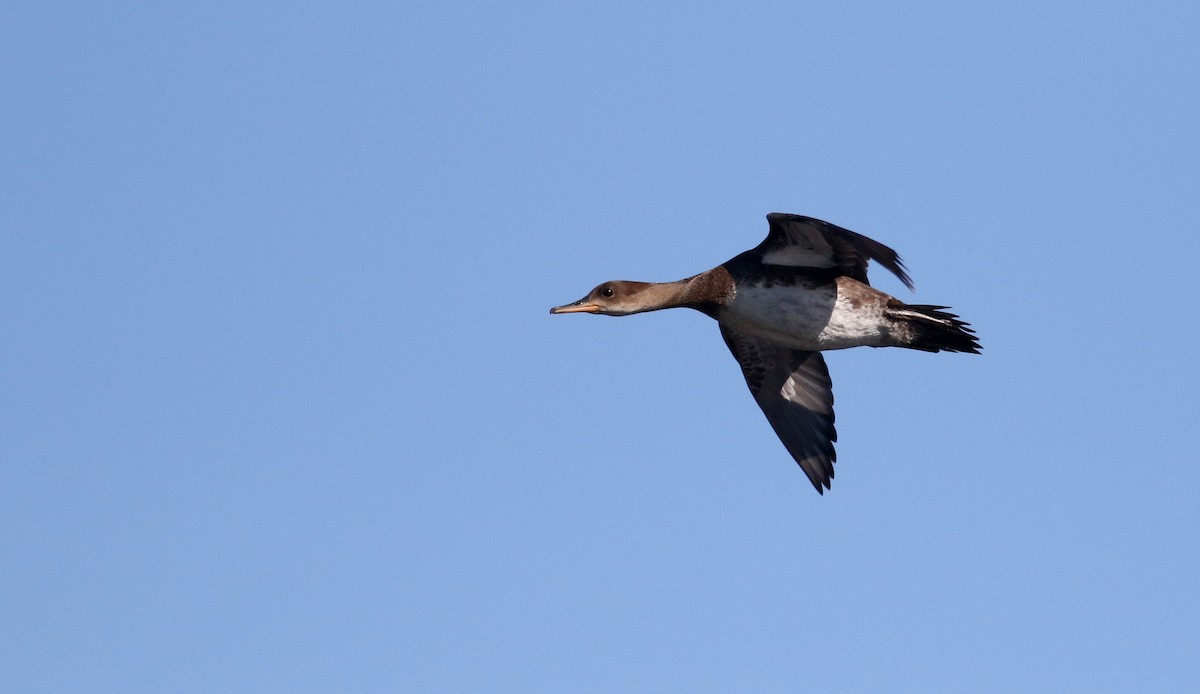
805	248
802	393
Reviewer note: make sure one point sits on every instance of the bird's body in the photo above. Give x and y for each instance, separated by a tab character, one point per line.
806	310
801	291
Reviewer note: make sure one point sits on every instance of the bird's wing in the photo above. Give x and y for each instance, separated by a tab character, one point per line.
806	242
793	389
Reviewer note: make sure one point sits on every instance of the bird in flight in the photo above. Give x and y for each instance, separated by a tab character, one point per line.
802	291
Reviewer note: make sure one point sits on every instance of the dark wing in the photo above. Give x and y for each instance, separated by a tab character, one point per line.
806	242
793	389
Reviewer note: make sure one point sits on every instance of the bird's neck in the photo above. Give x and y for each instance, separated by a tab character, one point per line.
704	292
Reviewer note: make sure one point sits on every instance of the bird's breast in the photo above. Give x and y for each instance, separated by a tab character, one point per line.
809	316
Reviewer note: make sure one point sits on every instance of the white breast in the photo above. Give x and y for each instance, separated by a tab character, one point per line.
808	318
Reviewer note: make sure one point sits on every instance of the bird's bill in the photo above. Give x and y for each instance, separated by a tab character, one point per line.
581	306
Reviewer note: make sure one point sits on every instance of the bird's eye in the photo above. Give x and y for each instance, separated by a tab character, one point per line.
607	292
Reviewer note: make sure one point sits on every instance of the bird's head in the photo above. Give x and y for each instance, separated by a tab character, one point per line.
616	298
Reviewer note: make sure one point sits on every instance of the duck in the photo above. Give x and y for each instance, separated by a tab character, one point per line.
802	291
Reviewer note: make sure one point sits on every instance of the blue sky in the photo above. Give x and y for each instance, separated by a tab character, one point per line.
283	408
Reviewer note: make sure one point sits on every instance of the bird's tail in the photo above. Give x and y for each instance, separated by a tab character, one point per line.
931	329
